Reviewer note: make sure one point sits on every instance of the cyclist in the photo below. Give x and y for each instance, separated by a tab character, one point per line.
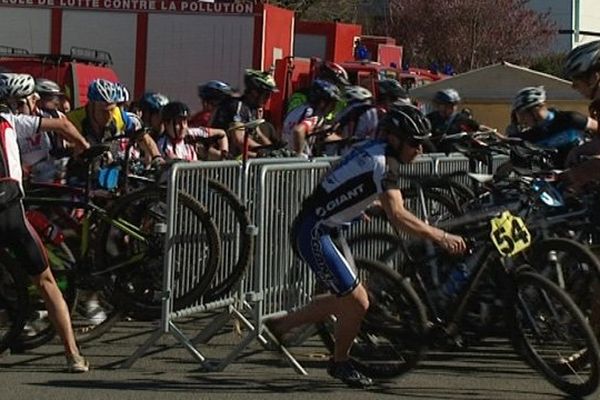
390	92
233	113
175	143
327	71
101	119
15	230
549	127
582	66
151	104
359	119
369	171
305	119
213	94
447	119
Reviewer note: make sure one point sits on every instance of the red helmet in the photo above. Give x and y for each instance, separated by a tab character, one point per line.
333	73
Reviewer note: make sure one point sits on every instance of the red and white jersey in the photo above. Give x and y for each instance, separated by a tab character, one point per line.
178	149
13	127
302	115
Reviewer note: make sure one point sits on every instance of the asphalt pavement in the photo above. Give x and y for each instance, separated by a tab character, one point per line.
490	370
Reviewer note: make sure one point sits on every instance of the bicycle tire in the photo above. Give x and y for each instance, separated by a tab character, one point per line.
391	340
14	301
137	290
541	353
233	225
579	266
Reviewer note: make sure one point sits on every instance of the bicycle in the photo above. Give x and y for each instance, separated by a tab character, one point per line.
120	256
545	325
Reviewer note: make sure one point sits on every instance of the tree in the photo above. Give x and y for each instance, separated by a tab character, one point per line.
466	33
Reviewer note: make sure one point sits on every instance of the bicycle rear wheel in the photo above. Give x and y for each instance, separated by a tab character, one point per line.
552	334
237	240
14	301
134	267
392	338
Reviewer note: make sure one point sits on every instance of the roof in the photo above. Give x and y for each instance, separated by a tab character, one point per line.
498	82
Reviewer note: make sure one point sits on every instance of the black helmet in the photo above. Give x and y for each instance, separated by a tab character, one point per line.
405	122
173	110
259	80
153	102
333	72
392	89
323	90
214	90
582	59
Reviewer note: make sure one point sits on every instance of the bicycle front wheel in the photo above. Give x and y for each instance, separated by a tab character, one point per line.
133	257
552	334
392	338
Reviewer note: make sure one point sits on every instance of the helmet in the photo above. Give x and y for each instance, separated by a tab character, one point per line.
153	102
214	90
391	88
448	96
582	59
405	122
254	79
357	94
173	110
46	87
323	90
16	85
333	72
102	90
122	94
529	97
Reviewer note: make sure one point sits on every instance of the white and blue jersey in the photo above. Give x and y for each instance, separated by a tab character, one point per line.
365	172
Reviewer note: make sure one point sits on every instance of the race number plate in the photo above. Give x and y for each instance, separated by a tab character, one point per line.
509	234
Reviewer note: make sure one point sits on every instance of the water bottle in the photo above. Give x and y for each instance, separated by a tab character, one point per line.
456	280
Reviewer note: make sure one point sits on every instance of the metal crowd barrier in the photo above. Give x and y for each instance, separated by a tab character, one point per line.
272	190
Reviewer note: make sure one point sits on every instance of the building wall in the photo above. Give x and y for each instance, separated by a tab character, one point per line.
26	29
109	31
185	50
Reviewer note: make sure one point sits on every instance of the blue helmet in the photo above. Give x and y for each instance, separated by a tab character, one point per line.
102	90
153	102
214	90
323	90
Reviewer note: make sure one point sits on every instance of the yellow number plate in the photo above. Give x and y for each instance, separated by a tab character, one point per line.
509	234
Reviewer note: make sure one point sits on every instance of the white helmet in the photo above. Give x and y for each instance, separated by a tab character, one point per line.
357	93
45	86
529	97
16	86
582	58
122	93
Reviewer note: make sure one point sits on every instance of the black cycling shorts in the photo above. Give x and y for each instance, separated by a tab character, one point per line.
17	234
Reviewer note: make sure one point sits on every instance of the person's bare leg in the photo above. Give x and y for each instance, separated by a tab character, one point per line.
351	311
57	309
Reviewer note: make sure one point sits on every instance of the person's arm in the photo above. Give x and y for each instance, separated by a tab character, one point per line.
299	134
218	153
592	125
237	141
148	145
404	220
66	130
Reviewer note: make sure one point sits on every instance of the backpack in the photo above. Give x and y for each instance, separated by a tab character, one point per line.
10	190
